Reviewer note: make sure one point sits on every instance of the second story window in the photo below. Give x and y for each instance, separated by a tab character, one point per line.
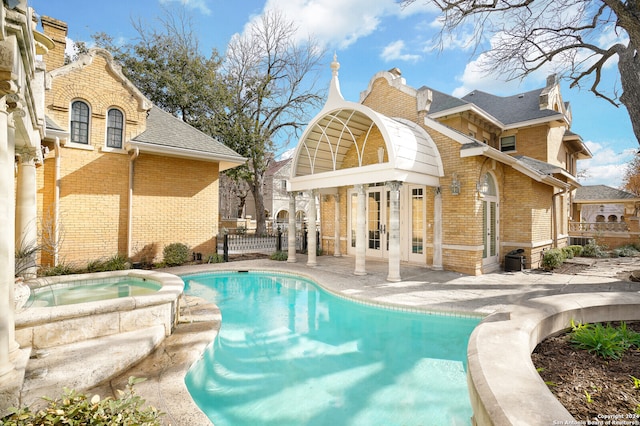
80	122
508	143
115	126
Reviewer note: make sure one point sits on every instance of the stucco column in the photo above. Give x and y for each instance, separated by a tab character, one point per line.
311	237
26	232
361	230
336	226
291	236
437	230
394	231
7	243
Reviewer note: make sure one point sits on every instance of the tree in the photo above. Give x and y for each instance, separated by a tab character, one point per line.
532	33
169	69
631	178
272	85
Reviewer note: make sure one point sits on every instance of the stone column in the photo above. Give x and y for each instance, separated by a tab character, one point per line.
311	238
7	243
26	232
437	230
291	237
394	231
361	230
336	226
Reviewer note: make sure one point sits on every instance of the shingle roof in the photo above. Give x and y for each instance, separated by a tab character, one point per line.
52	125
163	129
601	192
510	109
441	101
539	166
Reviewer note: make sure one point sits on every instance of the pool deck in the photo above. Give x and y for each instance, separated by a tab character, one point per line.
421	289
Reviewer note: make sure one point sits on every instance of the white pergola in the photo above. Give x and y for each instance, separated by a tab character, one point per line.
342	127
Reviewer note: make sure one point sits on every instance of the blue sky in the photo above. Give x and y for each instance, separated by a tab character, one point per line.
369	36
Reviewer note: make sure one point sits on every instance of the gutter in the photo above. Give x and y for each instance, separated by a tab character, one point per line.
226	161
56	202
132	159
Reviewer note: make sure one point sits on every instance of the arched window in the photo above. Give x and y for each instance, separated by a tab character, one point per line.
80	122
115	125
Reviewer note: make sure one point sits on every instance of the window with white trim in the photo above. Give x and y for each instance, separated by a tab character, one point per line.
115	127
508	143
80	122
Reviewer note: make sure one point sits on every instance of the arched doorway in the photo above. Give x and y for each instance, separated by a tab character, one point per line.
490	222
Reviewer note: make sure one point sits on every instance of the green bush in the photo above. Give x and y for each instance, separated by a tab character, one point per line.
175	254
568	252
593	249
60	269
607	341
114	263
577	250
77	409
215	258
279	255
626	251
553	258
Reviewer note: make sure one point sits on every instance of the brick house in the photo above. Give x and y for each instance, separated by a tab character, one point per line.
415	175
119	173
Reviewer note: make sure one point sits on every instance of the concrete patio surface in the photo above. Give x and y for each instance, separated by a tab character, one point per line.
421	289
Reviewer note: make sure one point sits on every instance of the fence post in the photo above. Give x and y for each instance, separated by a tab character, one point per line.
225	248
279	240
304	238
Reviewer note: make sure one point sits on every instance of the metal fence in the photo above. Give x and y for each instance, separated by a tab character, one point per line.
229	244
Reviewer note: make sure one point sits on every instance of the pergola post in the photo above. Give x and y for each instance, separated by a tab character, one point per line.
394	231
361	230
291	235
312	240
336	226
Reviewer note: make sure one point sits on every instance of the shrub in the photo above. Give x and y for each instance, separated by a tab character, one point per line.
607	341
215	258
146	254
77	409
279	255
114	263
577	250
60	269
552	258
175	254
568	252
625	251
593	249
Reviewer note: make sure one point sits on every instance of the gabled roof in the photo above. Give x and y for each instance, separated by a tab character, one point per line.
275	166
511	109
441	101
601	193
168	135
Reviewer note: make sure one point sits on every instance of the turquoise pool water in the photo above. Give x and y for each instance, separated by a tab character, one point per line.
81	291
289	353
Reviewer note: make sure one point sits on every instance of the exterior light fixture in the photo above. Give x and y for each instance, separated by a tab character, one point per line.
483	185
455	184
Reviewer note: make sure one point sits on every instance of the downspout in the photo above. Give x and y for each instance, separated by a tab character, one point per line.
56	203
554	216
132	159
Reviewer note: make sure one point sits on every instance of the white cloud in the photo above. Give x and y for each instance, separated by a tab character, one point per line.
394	51
607	166
200	5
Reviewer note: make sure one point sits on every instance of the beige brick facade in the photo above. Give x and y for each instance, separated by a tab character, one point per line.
116	201
531	214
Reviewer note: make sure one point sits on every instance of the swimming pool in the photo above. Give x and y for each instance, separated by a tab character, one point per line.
289	353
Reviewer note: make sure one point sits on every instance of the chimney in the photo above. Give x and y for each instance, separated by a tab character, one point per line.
56	31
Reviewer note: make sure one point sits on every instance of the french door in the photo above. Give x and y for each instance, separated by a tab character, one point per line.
377	222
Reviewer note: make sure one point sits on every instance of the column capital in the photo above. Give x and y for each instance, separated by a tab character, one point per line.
28	155
360	187
393	185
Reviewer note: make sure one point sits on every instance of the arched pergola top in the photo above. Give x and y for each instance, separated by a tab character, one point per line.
410	155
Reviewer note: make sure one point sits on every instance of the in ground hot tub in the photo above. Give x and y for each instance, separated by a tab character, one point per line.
136	299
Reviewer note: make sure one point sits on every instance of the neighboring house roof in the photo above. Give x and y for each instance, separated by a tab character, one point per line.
168	135
600	193
276	166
